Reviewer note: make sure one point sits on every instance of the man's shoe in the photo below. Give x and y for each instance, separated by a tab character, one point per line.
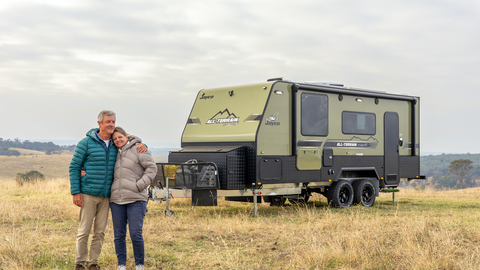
122	267
139	267
78	267
94	267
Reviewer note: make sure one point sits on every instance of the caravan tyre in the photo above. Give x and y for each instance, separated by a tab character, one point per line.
364	192
340	194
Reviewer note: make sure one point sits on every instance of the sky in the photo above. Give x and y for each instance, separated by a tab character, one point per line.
62	62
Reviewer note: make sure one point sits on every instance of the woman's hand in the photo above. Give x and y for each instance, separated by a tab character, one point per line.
83	173
141	148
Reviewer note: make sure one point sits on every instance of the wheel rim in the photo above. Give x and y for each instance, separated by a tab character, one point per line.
344	195
367	194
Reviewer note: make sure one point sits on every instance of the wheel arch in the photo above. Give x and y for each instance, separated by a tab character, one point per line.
353	174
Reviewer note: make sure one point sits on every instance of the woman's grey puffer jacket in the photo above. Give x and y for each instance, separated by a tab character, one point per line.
133	173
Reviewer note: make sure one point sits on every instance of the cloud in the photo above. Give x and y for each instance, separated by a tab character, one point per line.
151	57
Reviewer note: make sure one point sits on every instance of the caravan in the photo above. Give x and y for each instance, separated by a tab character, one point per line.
284	140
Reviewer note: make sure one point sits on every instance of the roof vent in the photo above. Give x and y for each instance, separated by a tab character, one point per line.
275	79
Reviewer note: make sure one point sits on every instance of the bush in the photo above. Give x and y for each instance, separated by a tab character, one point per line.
29	177
5	152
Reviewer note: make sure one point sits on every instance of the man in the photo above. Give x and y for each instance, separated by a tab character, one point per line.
96	154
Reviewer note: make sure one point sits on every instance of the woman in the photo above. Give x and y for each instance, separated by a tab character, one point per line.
128	200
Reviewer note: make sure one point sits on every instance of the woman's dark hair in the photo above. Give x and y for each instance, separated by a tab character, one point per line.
121	130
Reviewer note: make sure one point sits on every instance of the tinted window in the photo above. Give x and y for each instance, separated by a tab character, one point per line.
314	114
358	123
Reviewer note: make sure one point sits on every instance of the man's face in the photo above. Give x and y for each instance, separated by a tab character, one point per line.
108	124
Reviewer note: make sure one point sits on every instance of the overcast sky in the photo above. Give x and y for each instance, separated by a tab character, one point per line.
62	62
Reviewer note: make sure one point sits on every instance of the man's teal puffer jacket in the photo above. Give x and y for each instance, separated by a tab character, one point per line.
90	155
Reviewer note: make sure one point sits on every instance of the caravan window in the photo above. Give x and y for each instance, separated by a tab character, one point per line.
358	123
314	114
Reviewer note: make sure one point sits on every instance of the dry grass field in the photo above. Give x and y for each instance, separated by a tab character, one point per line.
50	165
424	230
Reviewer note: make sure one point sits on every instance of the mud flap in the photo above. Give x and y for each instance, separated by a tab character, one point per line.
204	197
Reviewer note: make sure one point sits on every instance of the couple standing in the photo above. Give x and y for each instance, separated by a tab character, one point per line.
104	176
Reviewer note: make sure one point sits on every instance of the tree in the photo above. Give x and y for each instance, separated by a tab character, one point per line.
460	168
447	181
472	176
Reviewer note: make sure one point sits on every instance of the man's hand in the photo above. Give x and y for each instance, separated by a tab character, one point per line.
78	199
83	173
141	148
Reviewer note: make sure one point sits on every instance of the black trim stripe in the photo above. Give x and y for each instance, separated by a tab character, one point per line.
310	143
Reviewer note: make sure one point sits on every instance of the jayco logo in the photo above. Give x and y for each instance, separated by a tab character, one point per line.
207	97
271	120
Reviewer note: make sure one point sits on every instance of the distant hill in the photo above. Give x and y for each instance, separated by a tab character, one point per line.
50	165
27	152
46	147
160	151
437	165
159	159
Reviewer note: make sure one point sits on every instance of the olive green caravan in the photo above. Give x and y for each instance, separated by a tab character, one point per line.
345	143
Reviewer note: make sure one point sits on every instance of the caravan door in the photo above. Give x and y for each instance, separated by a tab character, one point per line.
391	140
312	130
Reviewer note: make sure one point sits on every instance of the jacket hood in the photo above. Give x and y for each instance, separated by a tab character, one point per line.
91	133
132	140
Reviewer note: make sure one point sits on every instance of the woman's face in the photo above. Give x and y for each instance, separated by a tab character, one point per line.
119	139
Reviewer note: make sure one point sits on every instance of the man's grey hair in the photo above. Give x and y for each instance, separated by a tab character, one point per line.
105	112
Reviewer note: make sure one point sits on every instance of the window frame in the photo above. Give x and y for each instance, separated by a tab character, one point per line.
366	122
302	114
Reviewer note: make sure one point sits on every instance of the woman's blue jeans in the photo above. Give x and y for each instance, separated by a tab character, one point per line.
133	214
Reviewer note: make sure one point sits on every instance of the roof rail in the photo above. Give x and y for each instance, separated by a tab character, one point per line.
325	83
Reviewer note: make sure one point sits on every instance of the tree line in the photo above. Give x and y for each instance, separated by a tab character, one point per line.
47	147
449	171
443	171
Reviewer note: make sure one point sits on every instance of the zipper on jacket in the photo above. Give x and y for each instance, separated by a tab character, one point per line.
107	150
107	156
121	174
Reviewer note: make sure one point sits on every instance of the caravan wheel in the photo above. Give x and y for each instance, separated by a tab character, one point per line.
364	193
340	194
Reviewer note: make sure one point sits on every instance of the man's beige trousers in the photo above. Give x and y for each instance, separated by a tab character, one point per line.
94	211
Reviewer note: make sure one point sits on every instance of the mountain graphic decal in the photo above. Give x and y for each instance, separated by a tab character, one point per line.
224	117
225	111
